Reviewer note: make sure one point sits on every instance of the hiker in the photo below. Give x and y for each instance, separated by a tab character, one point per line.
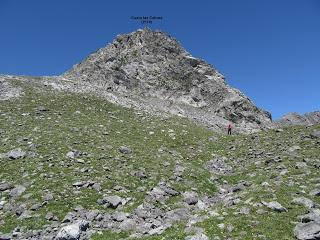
229	129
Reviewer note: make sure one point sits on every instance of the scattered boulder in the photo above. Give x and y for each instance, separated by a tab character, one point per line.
190	198
48	197
303	201
294	148
124	150
74	154
315	192
73	231
315	134
301	165
307	231
275	206
200	236
218	166
16	154
17	191
111	201
5	186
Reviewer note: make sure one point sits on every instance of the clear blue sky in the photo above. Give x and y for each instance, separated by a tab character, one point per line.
270	50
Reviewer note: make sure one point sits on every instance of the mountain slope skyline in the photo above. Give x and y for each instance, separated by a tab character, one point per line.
267	50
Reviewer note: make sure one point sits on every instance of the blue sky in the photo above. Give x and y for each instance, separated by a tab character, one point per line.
270	50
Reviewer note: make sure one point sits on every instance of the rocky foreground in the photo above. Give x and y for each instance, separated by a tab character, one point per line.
75	166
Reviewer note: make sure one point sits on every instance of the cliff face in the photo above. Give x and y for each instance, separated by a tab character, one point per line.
307	119
152	65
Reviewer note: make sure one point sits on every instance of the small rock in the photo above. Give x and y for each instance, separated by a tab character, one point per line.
74	154
78	184
119	216
112	201
303	201
48	197
301	165
294	148
190	198
16	153
199	236
124	150
17	191
275	206
5	186
315	192
315	134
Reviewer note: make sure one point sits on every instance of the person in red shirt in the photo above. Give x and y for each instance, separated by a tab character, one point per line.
229	129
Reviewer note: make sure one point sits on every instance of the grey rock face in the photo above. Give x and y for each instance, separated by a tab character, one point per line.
297	119
153	65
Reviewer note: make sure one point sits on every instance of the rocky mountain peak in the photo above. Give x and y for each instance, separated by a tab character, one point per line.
153	66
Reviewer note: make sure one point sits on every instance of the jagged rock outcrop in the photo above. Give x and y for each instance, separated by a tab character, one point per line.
153	66
307	119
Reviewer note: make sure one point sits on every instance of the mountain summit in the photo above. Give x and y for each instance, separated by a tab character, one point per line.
153	66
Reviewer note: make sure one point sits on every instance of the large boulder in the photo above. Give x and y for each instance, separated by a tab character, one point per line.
16	153
72	231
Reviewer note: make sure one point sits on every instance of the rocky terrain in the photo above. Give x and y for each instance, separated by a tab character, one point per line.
307	119
153	69
74	166
113	149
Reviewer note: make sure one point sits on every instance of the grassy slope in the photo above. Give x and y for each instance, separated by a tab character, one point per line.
92	125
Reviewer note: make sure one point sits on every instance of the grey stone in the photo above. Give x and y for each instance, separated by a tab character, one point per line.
200	236
315	134
112	201
48	197
16	154
79	184
294	148
275	206
128	225
312	216
73	231
74	154
69	217
190	198
5	186
315	192
17	191
119	216
303	201
297	119
301	165
125	150
307	231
